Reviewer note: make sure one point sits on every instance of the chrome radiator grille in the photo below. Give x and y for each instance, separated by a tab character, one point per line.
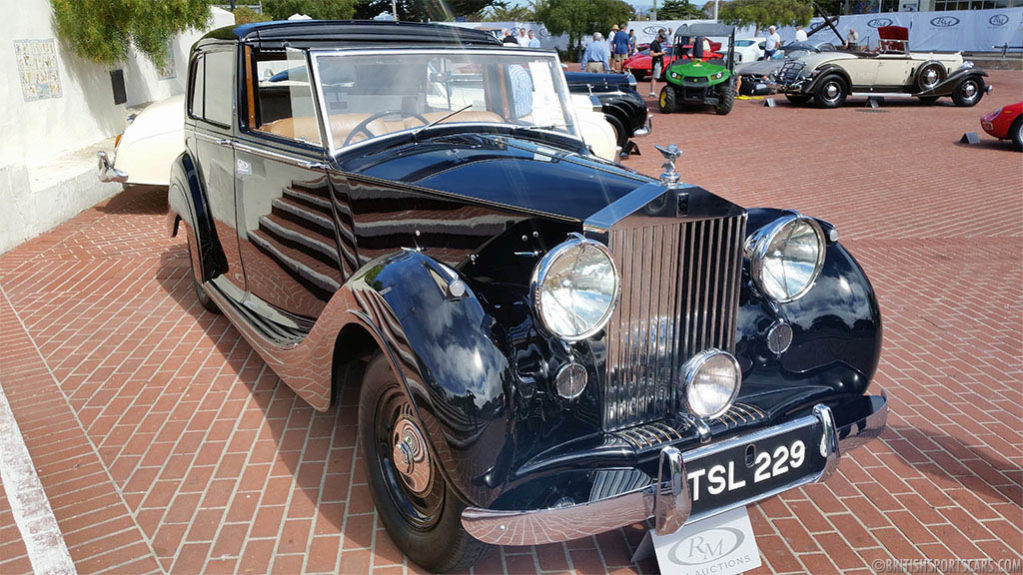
679	296
790	72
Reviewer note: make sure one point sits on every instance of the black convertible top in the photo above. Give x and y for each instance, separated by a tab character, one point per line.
323	33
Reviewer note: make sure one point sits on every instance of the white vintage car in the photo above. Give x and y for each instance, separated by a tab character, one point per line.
749	49
143	153
828	78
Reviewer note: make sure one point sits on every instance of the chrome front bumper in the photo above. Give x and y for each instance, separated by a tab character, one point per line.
107	172
668	500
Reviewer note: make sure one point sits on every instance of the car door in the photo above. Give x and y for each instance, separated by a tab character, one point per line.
287	226
893	71
862	71
212	110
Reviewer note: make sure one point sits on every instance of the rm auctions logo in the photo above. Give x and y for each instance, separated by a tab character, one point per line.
944	21
651	30
998	20
705	547
880	22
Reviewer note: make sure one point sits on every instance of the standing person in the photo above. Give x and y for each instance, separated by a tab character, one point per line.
620	49
611	35
534	42
595	57
800	34
509	39
852	41
656	60
632	41
773	41
671	35
522	39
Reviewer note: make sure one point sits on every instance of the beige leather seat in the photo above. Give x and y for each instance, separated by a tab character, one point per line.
342	125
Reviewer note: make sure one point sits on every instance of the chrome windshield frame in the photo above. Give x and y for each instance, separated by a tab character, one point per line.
324	116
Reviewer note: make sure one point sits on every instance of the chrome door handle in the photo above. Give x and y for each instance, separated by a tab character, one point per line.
312	165
224	142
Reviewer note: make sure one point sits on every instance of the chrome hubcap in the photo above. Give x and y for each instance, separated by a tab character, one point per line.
931	77
969	89
831	91
410	456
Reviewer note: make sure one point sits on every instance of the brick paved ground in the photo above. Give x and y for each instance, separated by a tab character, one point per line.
164	443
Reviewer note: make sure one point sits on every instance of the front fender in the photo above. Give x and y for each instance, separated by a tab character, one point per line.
448	352
946	87
836	329
824	71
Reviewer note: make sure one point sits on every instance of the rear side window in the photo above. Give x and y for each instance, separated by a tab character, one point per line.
198	87
213	87
219	87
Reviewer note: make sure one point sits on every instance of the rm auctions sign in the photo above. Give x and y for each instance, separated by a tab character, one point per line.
944	21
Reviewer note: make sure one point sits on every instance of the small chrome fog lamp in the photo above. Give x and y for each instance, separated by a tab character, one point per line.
711	381
571	380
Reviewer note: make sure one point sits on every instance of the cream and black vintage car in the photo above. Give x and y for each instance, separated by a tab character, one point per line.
828	78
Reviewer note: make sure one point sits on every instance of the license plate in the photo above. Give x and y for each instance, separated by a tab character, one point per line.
747	469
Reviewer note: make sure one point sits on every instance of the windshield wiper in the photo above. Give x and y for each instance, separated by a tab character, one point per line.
415	133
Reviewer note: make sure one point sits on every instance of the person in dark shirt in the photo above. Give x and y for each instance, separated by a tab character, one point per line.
509	39
620	49
656	60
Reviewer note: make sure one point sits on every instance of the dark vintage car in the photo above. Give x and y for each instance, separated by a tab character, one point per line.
622	105
544	345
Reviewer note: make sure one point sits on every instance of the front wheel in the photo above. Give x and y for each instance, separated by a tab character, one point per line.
726	98
419	510
968	92
666	102
1016	133
831	92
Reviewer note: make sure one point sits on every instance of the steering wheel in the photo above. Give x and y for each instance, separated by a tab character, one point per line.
362	126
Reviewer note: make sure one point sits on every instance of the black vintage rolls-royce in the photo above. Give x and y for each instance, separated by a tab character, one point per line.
546	345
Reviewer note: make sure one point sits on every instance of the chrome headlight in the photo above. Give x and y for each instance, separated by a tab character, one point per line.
786	256
575	288
712	380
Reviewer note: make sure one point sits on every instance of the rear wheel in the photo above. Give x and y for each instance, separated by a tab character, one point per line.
798	99
968	92
200	293
421	513
831	92
666	102
726	98
1016	133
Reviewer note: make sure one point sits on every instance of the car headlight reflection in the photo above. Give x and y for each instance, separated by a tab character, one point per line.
575	288
786	256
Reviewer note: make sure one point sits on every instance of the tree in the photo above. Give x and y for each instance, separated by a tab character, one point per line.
679	10
246	15
764	13
102	30
578	18
422	10
503	11
318	9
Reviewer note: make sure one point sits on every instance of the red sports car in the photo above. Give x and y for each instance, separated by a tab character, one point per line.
1006	124
640	66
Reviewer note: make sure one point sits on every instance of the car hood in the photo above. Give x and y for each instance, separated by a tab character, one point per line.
761	68
517	173
814	60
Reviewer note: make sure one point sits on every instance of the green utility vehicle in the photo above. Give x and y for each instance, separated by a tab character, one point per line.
697	77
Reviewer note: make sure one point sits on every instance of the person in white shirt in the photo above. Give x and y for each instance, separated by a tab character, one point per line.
800	34
522	39
773	41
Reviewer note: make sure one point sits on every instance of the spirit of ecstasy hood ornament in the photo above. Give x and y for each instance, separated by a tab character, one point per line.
670	178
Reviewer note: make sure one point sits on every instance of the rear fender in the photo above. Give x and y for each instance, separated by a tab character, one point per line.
187	199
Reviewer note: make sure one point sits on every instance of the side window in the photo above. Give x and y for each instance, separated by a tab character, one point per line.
219	87
283	100
198	86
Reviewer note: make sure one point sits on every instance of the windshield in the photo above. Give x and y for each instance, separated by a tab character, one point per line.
367	95
744	43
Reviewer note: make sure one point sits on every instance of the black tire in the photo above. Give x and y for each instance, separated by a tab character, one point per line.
200	293
831	91
929	76
425	525
928	99
726	98
666	101
798	99
640	75
968	92
1016	133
